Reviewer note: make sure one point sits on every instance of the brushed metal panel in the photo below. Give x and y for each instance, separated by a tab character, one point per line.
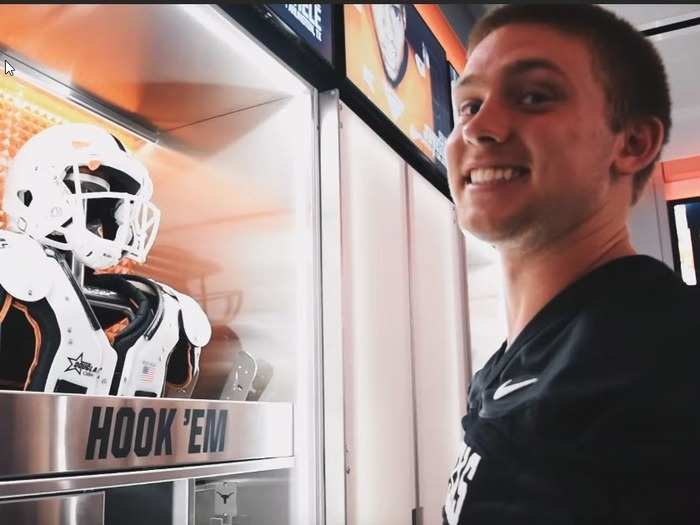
48	433
167	65
56	485
77	509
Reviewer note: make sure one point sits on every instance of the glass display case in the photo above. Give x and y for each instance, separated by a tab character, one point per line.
227	135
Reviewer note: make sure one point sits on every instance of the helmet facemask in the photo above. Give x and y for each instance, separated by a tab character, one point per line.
110	218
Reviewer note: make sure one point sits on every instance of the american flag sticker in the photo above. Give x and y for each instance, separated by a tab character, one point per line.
148	372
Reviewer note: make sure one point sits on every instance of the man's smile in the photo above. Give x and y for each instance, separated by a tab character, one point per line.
492	175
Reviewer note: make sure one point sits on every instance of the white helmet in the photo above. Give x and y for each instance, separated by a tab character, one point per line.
74	187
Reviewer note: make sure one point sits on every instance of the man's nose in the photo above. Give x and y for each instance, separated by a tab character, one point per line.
491	124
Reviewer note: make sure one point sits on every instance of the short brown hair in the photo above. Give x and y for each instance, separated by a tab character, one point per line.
626	62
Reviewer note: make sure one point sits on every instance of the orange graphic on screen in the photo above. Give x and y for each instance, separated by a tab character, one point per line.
381	62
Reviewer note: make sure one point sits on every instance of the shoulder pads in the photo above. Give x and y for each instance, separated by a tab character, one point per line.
194	320
25	270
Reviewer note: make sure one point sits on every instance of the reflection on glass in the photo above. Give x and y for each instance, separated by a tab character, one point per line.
233	232
261	497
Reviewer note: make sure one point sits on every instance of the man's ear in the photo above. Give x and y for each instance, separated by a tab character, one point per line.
641	141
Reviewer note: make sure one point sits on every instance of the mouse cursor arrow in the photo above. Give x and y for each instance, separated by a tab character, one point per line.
9	70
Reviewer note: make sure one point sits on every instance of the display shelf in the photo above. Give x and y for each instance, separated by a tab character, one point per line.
51	435
67	484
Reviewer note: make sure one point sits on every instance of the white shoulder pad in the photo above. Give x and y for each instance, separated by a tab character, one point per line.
196	325
25	270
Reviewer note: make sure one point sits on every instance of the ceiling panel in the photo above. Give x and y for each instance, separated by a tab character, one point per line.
646	16
680	51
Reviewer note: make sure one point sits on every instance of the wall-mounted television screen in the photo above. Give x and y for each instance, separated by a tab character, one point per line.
311	22
684	220
394	59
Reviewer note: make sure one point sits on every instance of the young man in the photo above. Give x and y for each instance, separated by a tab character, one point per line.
590	411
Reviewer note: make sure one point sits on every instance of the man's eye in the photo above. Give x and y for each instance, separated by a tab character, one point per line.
469	108
534	98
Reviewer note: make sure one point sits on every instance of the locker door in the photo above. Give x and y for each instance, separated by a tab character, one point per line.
438	308
379	431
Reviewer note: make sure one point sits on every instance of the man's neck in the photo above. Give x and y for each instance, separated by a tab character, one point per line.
532	280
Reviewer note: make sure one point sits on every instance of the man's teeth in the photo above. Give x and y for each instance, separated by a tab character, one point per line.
484	175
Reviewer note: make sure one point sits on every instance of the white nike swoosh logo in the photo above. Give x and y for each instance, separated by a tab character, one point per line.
506	388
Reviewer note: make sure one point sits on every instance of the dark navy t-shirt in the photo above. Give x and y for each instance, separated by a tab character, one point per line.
593	414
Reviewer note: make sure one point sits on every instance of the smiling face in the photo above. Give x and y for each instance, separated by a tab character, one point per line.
530	155
390	21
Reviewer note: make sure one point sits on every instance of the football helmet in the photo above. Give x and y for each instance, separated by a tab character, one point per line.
74	187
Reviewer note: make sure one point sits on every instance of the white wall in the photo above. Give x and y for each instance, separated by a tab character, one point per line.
439	340
379	436
487	317
404	334
648	222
